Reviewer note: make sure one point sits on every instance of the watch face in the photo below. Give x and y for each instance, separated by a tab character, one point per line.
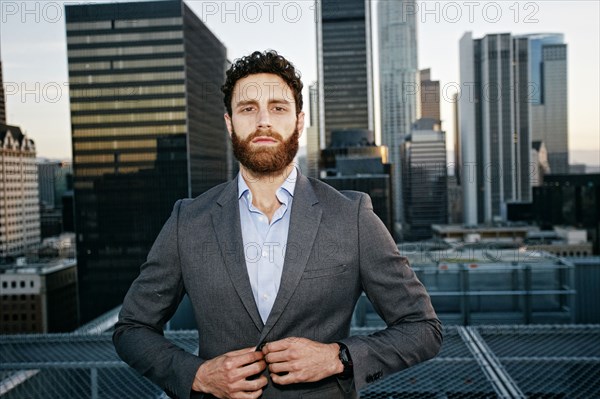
345	356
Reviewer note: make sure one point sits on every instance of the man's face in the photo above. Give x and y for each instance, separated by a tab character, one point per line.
263	124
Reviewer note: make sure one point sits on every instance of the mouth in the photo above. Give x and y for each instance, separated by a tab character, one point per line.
264	140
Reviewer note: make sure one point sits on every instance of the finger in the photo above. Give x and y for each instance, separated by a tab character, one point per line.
253	395
279	368
277	357
241	351
250	385
289	378
247	358
252	369
282	344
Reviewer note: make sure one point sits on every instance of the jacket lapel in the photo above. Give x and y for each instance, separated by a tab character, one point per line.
304	224
226	222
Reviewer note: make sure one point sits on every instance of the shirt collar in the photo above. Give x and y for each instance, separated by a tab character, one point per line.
289	184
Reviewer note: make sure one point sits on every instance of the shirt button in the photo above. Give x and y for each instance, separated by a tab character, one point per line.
265	297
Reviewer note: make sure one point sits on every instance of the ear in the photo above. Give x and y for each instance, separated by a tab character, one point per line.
228	123
300	122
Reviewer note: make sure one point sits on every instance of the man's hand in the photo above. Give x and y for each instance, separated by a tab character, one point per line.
293	360
226	376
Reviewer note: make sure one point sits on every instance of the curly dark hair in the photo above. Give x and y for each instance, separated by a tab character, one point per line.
265	62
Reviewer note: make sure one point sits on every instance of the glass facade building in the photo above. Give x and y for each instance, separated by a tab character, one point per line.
425	180
549	102
312	134
2	99
147	129
399	85
344	66
494	125
354	162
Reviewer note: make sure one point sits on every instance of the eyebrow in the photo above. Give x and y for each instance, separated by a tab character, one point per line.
254	102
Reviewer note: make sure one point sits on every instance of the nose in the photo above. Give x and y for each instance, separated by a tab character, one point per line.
263	119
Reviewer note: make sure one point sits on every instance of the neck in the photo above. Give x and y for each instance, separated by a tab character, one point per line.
263	186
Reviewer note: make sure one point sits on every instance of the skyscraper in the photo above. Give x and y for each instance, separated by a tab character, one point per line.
20	211
398	65
354	162
429	96
494	125
2	98
425	179
313	150
147	129
548	84
344	66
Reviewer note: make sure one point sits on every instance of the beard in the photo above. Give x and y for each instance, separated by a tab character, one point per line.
265	159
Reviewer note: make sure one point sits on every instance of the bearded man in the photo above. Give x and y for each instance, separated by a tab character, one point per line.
273	263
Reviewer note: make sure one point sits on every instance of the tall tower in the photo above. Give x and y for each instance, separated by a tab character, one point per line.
548	81
344	66
20	210
494	125
313	135
429	96
2	98
398	64
147	129
425	179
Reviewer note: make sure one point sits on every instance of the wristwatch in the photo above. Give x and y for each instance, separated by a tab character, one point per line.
346	360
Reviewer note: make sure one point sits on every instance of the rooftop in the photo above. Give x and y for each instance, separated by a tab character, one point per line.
38	268
475	362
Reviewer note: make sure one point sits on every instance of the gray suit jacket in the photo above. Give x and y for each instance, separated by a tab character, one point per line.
337	248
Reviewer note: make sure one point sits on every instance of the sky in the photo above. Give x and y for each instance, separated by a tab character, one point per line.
34	56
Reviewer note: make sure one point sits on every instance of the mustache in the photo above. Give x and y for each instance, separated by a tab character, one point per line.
264	133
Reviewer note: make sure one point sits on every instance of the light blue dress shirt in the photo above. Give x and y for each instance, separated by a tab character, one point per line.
264	242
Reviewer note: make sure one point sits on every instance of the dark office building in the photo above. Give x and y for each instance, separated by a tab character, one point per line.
354	162
424	184
563	200
147	129
344	64
570	200
2	99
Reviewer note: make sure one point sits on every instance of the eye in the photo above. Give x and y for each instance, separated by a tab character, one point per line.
279	109
247	109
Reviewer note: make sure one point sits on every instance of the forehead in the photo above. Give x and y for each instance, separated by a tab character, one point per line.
262	86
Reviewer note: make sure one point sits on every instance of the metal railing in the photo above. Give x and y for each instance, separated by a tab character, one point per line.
475	362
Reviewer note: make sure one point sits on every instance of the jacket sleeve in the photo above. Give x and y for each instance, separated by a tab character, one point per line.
150	302
413	332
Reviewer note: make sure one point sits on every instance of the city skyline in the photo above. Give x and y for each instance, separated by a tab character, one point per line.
33	35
